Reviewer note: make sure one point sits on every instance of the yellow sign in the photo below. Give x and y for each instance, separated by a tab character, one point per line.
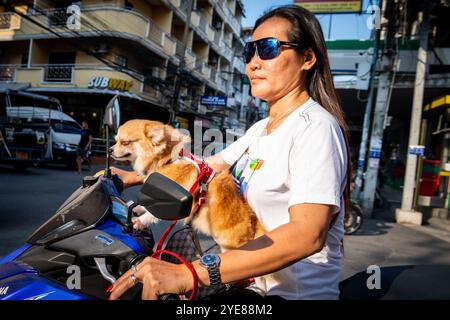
184	123
110	83
330	6
445	100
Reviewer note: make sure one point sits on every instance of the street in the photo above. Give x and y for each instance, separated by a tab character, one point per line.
29	198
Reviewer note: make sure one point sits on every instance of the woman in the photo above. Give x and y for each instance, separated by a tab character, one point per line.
291	167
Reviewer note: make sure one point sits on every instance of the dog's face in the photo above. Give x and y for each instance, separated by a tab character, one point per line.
147	144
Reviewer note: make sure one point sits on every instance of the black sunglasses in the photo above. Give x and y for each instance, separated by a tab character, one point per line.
266	48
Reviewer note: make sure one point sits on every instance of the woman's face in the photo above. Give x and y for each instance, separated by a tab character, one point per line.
275	78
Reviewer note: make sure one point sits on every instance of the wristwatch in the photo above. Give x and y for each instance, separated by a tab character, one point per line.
211	262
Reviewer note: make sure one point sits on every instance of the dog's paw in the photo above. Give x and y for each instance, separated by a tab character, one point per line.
144	220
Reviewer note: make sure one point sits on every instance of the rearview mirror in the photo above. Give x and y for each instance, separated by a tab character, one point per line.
112	114
164	198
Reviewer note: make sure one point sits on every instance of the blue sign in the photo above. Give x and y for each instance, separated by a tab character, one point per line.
214	101
417	151
375	153
361	163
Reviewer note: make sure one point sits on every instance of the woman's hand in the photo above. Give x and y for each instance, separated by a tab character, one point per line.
129	178
158	278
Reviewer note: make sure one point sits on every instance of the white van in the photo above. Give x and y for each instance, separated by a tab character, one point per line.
63	132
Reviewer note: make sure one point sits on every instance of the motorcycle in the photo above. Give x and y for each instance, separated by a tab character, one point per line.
90	241
354	219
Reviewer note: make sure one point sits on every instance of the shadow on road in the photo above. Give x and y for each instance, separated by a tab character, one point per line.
371	228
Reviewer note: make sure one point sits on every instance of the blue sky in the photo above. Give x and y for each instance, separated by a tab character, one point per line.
343	26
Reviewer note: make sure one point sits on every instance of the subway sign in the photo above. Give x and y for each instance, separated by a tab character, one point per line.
110	83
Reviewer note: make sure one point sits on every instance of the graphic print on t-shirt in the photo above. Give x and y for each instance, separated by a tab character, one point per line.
244	170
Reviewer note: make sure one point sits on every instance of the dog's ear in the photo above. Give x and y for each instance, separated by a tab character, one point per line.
176	136
156	134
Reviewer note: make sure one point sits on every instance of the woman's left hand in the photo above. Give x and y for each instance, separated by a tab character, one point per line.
158	278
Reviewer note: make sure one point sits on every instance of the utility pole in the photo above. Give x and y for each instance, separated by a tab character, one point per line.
180	69
407	214
366	124
381	109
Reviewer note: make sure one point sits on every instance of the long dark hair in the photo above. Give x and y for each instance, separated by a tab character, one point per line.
306	30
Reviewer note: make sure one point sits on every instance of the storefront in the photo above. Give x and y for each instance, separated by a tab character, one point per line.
434	167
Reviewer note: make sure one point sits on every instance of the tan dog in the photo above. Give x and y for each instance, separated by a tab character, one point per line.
151	146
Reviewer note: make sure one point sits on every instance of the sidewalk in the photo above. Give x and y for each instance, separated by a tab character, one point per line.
383	242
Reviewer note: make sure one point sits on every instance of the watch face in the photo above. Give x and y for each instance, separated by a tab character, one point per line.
210	259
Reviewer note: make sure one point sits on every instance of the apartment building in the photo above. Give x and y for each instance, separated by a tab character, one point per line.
84	52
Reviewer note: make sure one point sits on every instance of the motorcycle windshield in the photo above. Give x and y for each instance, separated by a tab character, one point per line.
81	211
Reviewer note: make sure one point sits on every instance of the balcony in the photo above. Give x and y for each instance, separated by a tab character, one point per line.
97	20
202	68
217	37
237	95
221	83
228	16
226	51
80	76
239	64
198	20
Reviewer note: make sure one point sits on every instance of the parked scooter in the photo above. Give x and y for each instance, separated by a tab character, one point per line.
354	218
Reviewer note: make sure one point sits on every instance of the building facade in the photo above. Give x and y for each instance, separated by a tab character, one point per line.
84	52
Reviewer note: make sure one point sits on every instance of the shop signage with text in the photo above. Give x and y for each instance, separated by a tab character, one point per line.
110	83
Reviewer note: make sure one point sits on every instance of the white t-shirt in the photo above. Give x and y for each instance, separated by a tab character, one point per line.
303	161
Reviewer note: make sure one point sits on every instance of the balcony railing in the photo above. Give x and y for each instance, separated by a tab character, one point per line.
217	37
155	33
108	20
229	16
226	51
184	6
203	23
7	73
180	49
237	95
58	73
70	74
239	64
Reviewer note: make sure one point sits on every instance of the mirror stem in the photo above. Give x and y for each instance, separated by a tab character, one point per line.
107	170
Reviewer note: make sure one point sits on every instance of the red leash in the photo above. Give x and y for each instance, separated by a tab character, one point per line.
203	178
157	255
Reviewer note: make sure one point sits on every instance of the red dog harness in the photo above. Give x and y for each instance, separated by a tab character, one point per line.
205	175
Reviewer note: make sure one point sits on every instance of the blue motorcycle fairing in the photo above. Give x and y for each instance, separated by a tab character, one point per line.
30	286
11	256
11	269
115	230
